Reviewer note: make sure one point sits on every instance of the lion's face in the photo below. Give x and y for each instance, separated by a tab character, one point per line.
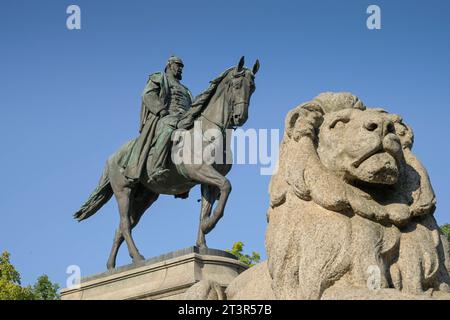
342	156
360	145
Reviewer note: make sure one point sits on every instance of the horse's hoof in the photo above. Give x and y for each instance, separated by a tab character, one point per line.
140	258
202	245
110	265
444	288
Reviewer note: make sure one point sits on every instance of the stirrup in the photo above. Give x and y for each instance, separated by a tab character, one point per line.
132	180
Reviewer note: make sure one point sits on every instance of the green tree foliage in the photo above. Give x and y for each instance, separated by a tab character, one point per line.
237	249
11	289
446	230
44	289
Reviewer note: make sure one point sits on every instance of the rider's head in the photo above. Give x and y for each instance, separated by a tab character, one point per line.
174	66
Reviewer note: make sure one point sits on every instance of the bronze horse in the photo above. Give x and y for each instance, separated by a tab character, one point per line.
227	107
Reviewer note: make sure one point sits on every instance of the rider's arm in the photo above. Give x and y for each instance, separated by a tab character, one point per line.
151	95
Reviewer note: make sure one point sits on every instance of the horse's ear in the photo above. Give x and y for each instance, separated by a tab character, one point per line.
255	67
240	64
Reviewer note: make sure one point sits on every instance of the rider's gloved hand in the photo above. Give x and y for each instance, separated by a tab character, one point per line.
185	123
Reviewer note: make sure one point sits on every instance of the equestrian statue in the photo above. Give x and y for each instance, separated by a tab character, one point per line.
142	169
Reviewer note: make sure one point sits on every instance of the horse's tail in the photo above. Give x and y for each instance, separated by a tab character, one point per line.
97	199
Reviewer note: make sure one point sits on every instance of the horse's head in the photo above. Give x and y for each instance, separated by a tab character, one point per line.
241	87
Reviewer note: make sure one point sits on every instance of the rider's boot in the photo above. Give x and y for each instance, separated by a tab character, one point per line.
161	150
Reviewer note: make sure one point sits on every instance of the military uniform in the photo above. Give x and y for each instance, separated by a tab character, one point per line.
180	101
162	92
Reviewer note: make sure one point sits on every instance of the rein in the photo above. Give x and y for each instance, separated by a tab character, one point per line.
223	128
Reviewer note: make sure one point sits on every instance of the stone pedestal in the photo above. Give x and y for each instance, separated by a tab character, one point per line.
164	277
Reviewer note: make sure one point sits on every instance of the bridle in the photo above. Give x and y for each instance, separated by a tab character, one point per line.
226	125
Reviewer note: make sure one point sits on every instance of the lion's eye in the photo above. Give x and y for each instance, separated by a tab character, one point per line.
371	126
338	123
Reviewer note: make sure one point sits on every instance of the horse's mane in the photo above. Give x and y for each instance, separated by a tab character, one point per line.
201	101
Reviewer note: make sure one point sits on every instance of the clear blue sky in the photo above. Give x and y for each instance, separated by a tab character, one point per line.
68	99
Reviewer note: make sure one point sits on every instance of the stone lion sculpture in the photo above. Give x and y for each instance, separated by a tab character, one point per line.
351	211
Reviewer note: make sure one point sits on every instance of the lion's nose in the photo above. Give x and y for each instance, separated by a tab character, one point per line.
391	143
384	127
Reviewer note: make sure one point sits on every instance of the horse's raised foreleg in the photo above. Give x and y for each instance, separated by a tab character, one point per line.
206	174
209	196
140	205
